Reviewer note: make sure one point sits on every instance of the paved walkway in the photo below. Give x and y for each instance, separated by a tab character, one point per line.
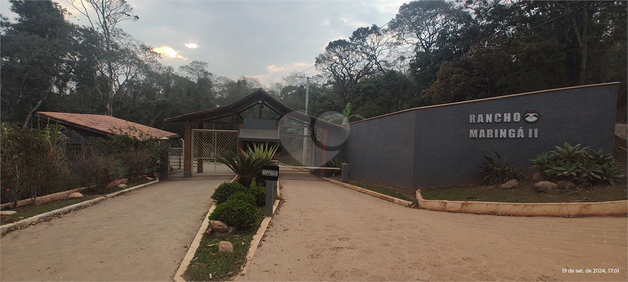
326	232
139	236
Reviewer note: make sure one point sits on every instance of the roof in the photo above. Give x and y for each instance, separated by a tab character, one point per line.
243	104
106	125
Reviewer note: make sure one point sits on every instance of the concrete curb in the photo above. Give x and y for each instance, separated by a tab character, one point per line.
4	229
371	193
257	238
611	208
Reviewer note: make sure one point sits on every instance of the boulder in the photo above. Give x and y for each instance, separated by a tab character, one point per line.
218	226
565	185
545	186
75	195
7	212
224	234
224	246
538	176
513	183
122	185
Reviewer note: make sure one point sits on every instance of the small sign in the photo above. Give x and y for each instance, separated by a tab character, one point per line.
270	172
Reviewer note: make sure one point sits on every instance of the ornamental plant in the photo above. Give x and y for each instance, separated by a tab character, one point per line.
237	213
578	165
225	190
249	164
497	171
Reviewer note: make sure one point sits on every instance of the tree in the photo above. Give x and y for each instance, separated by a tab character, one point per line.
104	16
37	58
344	65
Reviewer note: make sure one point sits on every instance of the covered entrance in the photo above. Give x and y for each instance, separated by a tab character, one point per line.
258	117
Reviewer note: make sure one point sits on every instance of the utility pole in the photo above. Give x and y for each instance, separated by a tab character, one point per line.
305	129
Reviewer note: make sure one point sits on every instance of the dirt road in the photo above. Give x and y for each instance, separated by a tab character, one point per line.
139	236
326	232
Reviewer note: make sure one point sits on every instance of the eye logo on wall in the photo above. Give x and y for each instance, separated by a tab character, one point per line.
531	116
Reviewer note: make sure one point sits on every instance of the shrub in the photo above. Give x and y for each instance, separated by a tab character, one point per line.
225	190
497	171
243	196
236	213
579	165
259	193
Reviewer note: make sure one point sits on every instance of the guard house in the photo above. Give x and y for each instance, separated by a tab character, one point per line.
258	117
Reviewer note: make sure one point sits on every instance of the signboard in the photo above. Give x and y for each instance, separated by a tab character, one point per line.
270	172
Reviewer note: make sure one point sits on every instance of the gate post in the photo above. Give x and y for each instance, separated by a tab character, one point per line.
345	172
200	148
187	150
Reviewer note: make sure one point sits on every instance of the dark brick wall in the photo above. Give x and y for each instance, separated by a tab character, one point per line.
432	146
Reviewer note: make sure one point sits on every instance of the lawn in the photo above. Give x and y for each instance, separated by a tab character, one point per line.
525	193
397	192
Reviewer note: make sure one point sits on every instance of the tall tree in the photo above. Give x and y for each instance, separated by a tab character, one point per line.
36	57
105	17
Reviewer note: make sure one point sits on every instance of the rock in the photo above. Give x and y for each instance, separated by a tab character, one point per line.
224	234
225	246
122	186
538	176
565	185
513	183
7	212
218	226
75	195
545	186
149	178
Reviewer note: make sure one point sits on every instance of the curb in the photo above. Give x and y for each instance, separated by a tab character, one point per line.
5	229
610	208
371	193
257	238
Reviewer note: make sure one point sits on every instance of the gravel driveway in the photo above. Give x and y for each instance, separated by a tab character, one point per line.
139	236
327	232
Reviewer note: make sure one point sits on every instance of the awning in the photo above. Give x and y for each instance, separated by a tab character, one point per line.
262	135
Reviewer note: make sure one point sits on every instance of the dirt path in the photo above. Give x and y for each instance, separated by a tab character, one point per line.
139	236
325	232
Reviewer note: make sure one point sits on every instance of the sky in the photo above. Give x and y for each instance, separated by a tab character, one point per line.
263	39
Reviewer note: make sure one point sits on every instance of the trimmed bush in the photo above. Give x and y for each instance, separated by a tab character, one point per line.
225	190
243	196
236	213
259	193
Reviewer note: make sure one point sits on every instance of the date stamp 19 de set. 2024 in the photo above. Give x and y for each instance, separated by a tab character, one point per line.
591	270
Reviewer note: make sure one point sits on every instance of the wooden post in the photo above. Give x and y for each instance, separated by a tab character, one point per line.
187	150
199	155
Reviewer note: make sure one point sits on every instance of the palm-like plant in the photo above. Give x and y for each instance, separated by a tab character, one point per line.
249	164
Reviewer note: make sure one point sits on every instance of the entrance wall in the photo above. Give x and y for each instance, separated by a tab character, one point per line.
446	144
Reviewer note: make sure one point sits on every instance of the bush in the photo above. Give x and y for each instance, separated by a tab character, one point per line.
236	213
578	165
259	193
225	190
243	196
497	171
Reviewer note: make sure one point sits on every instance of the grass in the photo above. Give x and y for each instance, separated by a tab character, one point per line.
400	193
525	193
210	265
33	210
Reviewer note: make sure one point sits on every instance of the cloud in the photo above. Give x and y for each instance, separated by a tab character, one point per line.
168	52
273	68
191	45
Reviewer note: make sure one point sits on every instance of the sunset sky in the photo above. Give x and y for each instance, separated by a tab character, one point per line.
263	39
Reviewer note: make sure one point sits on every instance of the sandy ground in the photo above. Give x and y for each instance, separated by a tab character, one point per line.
139	236
326	232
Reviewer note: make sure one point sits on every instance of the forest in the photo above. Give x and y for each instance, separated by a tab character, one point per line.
431	52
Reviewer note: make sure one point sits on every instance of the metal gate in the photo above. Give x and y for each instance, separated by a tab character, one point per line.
175	161
207	144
